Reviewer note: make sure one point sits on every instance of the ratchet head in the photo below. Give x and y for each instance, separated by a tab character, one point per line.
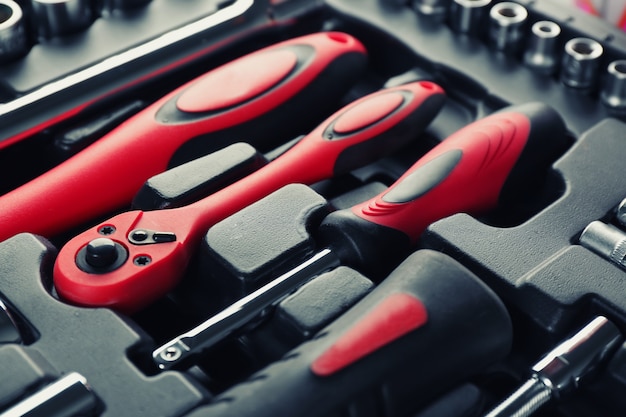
110	264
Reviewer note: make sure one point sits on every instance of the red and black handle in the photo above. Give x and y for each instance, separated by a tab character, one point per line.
492	159
143	270
260	98
428	326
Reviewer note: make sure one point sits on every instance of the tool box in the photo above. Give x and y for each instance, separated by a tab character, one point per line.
312	208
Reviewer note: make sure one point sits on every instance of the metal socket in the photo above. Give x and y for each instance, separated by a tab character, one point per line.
13	37
581	62
606	240
541	53
466	16
506	26
62	17
614	92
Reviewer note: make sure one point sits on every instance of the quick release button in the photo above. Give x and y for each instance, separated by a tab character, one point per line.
101	253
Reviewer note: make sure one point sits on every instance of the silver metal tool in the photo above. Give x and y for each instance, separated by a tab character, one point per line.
242	312
562	370
614	91
13	36
466	16
581	62
436	9
606	240
541	49
506	26
62	17
69	396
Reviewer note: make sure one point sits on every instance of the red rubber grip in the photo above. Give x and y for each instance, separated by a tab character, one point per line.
318	156
105	176
465	173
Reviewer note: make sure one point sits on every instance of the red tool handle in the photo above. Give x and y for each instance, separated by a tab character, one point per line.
468	172
365	130
261	92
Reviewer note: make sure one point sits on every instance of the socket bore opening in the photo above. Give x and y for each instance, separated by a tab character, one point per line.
5	13
618	69
546	29
10	13
508	13
584	48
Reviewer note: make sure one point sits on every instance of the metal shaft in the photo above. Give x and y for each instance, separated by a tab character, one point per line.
525	401
62	17
242	312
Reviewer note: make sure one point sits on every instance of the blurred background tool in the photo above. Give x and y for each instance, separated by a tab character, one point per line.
507	22
614	91
62	17
581	63
467	16
14	41
541	50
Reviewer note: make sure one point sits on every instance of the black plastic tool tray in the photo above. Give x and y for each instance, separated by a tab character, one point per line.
527	253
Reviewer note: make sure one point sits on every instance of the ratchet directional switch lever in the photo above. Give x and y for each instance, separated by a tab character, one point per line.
260	92
136	257
471	171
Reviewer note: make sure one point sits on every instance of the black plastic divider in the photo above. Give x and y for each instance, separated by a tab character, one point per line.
92	342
